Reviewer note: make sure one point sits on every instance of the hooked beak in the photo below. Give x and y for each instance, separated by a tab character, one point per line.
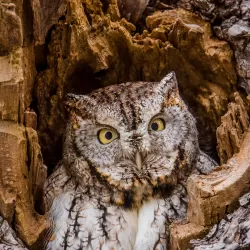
138	160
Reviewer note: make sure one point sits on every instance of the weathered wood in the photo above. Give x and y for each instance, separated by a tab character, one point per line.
231	131
233	232
230	20
181	234
132	10
10	79
37	170
22	173
9	236
212	196
17	202
10	27
45	14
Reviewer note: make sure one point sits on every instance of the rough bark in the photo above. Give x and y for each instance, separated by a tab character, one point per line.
229	19
50	48
9	239
233	232
231	131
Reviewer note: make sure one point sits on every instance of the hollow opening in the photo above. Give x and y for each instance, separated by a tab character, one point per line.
41	52
105	5
83	80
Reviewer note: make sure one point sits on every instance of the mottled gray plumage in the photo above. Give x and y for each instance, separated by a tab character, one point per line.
124	194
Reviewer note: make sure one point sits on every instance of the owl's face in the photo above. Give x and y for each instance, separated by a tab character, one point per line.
134	135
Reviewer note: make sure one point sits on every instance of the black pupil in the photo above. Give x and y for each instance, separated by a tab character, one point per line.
108	135
154	126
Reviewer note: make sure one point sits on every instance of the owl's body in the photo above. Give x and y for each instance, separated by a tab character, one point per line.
128	151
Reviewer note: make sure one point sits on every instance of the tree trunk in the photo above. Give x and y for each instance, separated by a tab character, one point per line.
50	48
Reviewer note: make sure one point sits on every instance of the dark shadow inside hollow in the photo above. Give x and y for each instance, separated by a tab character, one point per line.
207	138
41	52
83	80
105	5
206	130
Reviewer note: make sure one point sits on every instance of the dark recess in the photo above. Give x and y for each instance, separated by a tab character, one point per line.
83	80
105	5
41	52
27	23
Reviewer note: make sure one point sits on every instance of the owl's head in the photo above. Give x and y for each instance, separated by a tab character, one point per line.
132	135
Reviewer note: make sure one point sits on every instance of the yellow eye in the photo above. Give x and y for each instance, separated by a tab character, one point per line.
106	135
157	124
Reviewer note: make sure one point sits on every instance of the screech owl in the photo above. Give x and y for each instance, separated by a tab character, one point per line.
127	154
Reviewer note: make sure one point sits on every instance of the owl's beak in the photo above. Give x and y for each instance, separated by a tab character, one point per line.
138	160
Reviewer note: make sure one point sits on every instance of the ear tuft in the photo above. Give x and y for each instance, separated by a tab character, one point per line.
72	101
169	84
169	81
79	102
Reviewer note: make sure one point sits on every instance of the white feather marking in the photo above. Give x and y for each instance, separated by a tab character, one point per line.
151	224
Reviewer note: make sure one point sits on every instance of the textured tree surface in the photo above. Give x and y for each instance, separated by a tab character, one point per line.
50	48
232	232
